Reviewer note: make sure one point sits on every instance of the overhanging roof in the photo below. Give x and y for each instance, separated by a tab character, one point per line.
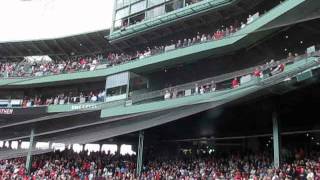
87	43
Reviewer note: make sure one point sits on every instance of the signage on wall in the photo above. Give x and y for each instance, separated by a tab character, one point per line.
85	106
6	111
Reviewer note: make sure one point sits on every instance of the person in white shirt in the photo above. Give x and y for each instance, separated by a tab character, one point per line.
196	89
94	98
201	90
167	95
249	19
243	25
310	175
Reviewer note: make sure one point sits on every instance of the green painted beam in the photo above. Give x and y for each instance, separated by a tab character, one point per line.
84	106
242	91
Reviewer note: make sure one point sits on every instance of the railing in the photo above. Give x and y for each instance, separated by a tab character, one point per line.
217	79
151	96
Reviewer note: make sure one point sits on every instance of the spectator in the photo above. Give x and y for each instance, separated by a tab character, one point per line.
235	83
167	95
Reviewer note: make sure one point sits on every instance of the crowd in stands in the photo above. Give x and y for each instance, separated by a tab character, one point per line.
224	31
105	166
269	69
82	97
29	68
7	68
90	63
200	87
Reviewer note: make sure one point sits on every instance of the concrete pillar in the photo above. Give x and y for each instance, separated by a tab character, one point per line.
140	153
10	144
276	140
100	148
50	144
19	144
29	156
118	149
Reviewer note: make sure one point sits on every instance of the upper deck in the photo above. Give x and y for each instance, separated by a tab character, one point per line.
239	39
138	16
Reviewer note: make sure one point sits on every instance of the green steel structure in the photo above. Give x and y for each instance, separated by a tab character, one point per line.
240	39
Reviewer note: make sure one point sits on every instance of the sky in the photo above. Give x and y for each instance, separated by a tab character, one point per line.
45	19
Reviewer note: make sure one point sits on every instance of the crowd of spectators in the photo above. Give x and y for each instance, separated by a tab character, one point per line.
224	31
269	69
100	165
28	68
200	87
7	68
90	63
71	98
86	63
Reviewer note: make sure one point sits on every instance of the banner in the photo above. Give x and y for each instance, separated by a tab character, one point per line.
24	111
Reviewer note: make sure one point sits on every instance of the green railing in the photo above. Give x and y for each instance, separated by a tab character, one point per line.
227	95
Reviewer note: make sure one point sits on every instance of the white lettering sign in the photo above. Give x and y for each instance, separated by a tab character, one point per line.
6	111
85	106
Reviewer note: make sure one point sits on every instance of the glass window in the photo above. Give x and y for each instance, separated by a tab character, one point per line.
122	13
119	4
174	5
154	2
155	12
133	1
126	2
138	7
117	91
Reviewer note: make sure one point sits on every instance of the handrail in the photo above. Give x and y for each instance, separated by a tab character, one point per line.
216	79
220	78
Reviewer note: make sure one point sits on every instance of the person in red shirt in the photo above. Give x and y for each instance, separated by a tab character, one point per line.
235	83
281	67
257	73
238	176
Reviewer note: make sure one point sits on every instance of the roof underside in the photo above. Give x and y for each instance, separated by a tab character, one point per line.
82	44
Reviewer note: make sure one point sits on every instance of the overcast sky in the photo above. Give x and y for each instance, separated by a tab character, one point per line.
41	19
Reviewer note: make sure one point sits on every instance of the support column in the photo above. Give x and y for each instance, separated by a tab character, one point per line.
83	146
118	149
50	145
100	148
140	153
29	156
19	144
10	144
276	139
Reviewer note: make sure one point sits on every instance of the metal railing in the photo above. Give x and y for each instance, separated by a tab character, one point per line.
217	79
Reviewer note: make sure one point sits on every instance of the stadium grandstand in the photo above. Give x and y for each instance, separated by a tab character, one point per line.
175	89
